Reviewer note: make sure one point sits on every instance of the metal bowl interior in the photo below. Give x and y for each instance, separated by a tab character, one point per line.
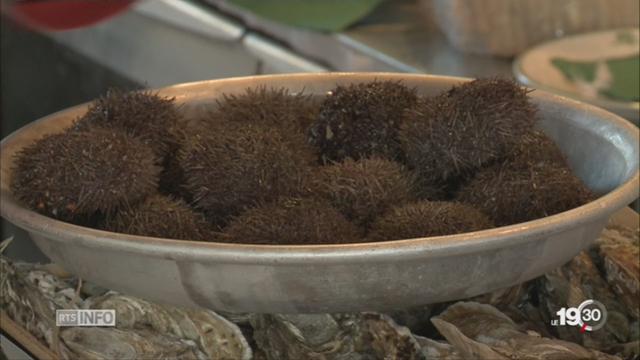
601	147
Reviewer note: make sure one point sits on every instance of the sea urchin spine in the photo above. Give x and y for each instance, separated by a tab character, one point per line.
292	221
160	216
428	218
231	169
361	120
469	126
513	194
78	173
142	114
364	189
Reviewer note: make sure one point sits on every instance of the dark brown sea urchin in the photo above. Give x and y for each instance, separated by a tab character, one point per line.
160	216
271	107
361	120
292	221
230	169
428	218
465	128
364	189
511	194
78	173
142	114
265	108
534	149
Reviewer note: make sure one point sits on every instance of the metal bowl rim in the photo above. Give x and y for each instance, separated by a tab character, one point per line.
395	249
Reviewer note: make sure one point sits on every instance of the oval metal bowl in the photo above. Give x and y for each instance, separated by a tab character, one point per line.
602	149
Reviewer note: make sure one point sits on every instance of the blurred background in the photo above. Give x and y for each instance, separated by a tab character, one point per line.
59	53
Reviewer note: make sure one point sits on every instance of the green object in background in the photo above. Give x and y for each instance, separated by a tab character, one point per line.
626	37
323	15
576	70
624	73
626	79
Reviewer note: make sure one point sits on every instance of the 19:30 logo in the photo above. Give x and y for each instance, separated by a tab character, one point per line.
590	315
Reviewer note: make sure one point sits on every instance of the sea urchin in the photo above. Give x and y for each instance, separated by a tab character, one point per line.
467	127
364	189
361	120
512	194
142	114
78	173
230	169
292	221
428	218
270	107
160	216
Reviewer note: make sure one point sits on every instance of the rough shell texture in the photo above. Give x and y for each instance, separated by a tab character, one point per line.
364	189
438	350
147	116
292	221
512	194
482	332
283	336
93	343
428	218
77	173
327	336
585	278
559	289
620	251
361	120
30	297
160	216
215	336
30	294
228	170
583	274
465	128
519	302
387	340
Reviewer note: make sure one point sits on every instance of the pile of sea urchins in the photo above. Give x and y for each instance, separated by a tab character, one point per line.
367	162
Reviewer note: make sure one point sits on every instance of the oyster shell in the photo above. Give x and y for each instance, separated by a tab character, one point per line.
316	336
482	331
569	286
95	343
30	296
415	318
324	336
505	298
380	335
583	272
437	350
619	250
516	303
556	291
217	337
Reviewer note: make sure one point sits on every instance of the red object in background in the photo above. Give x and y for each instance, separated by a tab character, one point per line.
64	14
